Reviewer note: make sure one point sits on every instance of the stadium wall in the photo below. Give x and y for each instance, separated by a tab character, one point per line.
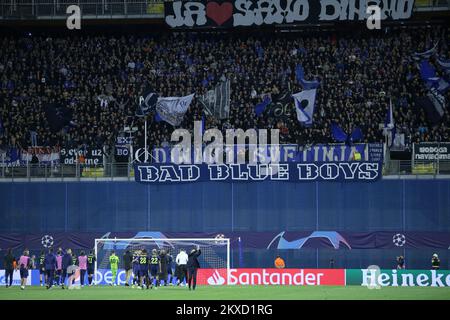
404	205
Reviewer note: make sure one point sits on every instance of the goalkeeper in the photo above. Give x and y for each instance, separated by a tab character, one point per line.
114	262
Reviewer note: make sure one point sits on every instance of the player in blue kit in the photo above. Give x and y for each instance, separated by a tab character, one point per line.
163	264
143	268
169	268
50	267
91	266
42	275
154	266
135	264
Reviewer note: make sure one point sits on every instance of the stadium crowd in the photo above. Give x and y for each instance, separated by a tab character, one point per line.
96	81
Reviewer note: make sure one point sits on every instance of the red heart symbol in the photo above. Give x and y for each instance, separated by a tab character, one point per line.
219	13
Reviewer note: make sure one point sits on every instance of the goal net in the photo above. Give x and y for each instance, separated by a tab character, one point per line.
215	253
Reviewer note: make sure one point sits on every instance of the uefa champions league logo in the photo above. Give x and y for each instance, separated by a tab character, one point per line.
219	239
399	239
47	241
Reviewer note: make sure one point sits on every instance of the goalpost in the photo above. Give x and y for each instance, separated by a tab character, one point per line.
215	252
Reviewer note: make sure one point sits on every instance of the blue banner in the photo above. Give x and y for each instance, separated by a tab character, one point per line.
290	172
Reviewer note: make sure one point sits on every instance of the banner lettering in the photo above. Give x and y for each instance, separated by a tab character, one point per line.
235	13
292	172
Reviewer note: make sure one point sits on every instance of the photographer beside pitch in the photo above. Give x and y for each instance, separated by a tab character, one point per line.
192	267
400	263
435	262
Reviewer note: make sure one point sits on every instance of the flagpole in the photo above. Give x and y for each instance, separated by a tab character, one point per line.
145	140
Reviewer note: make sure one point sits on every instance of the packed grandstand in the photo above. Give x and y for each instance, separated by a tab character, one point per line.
350	192
81	90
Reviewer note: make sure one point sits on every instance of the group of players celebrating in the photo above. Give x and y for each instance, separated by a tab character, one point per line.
148	269
155	268
54	269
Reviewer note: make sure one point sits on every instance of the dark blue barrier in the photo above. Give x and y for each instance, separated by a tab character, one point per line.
408	205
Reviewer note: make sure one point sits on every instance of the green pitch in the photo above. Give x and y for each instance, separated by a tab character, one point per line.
230	293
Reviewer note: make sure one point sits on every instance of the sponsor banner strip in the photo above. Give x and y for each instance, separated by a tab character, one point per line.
377	278
372	278
257	276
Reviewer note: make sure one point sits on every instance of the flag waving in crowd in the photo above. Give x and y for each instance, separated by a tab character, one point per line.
304	105
389	125
339	134
216	102
147	103
172	109
169	109
300	75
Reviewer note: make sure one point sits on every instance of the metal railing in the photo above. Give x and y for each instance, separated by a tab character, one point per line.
94	9
408	167
52	172
90	9
431	4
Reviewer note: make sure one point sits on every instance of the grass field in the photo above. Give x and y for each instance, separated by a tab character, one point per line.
230	293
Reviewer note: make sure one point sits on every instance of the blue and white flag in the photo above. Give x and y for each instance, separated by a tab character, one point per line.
427	72
172	109
203	128
442	85
300	75
445	65
426	54
157	117
147	102
444	82
430	78
389	125
307	85
434	106
389	121
304	105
